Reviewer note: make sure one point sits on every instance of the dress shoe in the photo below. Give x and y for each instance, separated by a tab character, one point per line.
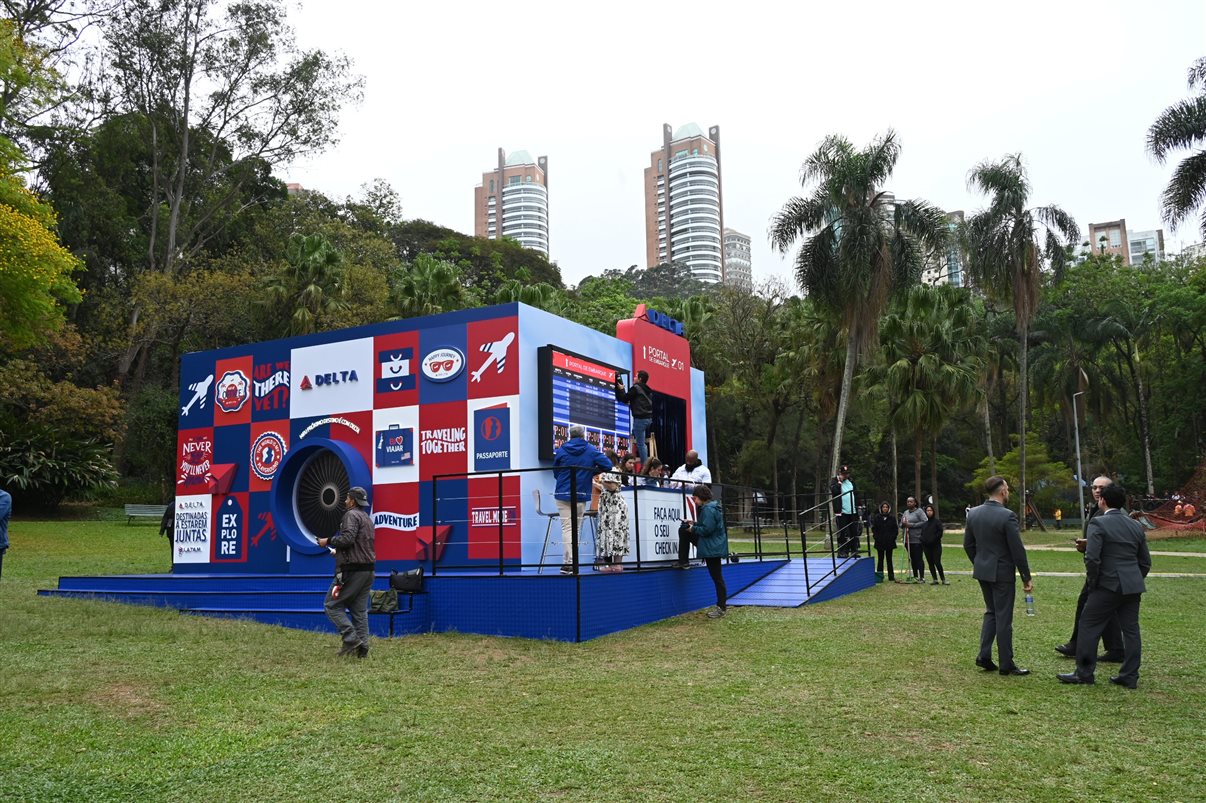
348	649
1066	650
1015	671
1121	681
1110	658
1074	677
987	666
362	651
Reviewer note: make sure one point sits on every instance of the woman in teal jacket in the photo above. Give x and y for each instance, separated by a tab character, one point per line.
711	540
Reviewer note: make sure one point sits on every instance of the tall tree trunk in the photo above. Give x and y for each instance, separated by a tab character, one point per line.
1024	331
934	471
1144	426
992	460
917	442
843	403
895	473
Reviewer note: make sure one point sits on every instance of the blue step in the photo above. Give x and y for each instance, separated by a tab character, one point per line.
787	587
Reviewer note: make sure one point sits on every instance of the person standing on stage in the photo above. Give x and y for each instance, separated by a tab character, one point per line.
613	523
711	540
911	521
993	543
1111	635
845	514
355	559
1116	561
577	462
639	399
931	545
883	533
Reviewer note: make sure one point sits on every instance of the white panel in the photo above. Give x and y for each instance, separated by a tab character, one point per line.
332	378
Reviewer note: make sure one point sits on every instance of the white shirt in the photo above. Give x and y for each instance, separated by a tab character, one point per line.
692	476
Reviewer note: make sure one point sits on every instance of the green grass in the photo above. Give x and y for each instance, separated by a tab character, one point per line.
870	697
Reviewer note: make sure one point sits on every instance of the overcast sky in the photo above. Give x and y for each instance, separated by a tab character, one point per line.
1072	86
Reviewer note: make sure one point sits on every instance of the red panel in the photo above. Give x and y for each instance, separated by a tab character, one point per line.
493	358
359	435
269	444
396	370
443	439
194	460
396	521
484	517
232	391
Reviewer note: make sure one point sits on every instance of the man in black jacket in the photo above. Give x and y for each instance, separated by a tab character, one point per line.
993	543
355	559
639	399
1111	636
1116	561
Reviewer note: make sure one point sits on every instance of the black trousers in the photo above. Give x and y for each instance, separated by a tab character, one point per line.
916	561
1102	607
1111	634
998	621
714	569
885	556
847	534
933	555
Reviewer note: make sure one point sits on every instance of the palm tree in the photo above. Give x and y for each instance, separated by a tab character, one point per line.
1183	125
310	286
1007	244
429	286
860	245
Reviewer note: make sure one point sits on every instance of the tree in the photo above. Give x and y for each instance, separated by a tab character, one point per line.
861	247
309	288
1007	244
1183	126
429	286
1050	479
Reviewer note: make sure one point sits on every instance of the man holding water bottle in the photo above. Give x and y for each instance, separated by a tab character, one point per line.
993	543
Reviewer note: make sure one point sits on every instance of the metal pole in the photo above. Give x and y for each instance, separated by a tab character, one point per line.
1080	477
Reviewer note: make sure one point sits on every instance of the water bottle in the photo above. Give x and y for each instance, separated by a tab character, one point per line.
1029	604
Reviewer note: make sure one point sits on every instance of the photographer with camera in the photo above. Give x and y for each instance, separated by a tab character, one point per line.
708	535
355	559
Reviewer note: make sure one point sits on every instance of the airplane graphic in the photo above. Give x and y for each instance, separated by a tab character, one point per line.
498	355
200	391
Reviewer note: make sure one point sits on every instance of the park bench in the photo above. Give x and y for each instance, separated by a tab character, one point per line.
144	512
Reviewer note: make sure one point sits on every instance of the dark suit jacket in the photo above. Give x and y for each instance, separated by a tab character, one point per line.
993	543
1116	557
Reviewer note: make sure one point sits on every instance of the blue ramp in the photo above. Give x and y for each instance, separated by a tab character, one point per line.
788	586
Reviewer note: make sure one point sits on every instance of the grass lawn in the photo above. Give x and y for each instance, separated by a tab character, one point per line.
870	697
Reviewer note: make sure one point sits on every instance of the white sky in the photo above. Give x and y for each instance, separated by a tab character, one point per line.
1072	86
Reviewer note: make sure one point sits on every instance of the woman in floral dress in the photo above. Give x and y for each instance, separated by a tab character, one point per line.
613	523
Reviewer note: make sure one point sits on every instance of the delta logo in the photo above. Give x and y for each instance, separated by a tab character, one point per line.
443	364
232	391
266	455
328	379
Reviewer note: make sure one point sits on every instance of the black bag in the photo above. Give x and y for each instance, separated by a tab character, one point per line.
408	582
383	601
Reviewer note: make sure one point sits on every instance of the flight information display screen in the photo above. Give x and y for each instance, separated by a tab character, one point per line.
579	390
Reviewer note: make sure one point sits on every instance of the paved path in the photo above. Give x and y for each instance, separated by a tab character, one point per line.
1082	574
1053	548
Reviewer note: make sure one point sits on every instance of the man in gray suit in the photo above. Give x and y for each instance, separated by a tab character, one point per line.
1116	561
993	542
1111	636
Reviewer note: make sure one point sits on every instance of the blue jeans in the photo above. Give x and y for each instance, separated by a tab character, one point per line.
640	426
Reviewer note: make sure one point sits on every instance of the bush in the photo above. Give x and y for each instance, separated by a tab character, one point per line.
42	466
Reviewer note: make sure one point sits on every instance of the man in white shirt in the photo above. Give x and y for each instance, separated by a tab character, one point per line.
693	472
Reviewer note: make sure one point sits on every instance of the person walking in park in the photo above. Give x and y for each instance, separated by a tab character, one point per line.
613	523
639	399
911	522
355	559
1116	561
6	513
711	540
931	546
576	463
883	534
1059	518
993	543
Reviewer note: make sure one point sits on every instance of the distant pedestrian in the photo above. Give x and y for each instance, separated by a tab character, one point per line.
911	522
931	545
355	559
883	533
167	526
1059	519
6	513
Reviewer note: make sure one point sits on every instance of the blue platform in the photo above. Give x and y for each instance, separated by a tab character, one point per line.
522	604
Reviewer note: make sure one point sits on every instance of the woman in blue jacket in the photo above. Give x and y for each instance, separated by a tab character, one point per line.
711	541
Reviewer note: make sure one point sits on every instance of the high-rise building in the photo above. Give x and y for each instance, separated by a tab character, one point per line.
738	267
1142	243
684	215
1110	238
513	201
946	267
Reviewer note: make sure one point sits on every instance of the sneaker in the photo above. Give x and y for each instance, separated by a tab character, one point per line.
945	582
715	613
933	582
567	569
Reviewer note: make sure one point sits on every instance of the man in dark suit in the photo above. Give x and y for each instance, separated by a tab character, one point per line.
1116	561
994	545
1111	636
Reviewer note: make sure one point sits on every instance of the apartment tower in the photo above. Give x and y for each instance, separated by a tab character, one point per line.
738	265
513	201
684	211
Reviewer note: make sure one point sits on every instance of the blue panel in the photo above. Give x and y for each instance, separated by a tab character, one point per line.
454	512
232	444
270	381
265	547
528	607
444	337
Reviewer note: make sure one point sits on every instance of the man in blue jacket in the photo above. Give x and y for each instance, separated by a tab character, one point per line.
6	512
577	462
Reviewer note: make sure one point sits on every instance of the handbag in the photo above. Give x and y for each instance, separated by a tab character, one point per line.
383	601
409	582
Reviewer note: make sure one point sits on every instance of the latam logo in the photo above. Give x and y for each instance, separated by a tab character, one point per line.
394	370
443	441
266	455
329	379
232	391
404	522
443	364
